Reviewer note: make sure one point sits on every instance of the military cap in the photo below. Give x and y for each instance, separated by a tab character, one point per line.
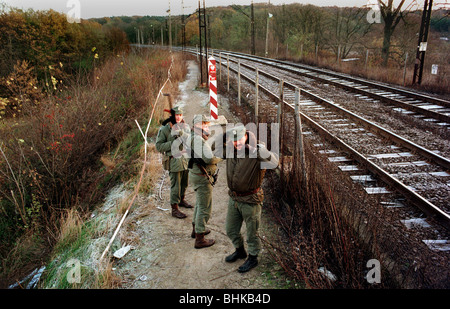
236	133
200	118
178	110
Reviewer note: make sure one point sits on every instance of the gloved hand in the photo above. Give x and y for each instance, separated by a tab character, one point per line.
251	141
171	119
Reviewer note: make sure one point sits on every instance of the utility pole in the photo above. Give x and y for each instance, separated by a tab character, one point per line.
183	27
153	34
209	34
266	52
184	19
269	16
183	33
170	29
200	41
205	26
253	30
202	33
422	44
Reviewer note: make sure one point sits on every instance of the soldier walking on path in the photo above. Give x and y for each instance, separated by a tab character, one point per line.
202	172
244	179
173	128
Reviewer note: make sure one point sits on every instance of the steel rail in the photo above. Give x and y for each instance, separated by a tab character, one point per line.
380	86
405	105
415	199
440	160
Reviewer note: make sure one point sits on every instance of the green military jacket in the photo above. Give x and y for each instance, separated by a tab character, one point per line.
164	142
205	153
245	175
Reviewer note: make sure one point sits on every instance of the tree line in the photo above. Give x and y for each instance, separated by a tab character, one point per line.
46	38
296	30
40	49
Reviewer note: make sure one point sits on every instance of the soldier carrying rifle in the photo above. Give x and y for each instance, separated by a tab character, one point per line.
202	172
172	128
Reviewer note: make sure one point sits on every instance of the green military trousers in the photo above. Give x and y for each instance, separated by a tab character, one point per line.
178	185
203	202
250	214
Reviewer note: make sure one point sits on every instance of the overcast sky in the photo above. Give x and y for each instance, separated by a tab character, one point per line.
102	8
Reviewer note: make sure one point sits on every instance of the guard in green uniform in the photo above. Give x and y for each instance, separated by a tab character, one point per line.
202	169
244	179
173	128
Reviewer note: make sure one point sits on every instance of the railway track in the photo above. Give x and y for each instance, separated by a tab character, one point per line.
431	109
383	162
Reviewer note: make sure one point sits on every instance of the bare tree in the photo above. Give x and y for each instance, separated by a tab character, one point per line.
392	16
345	29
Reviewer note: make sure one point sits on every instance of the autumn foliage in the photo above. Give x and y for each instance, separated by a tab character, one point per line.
40	50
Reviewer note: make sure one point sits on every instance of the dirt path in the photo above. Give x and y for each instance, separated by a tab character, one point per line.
164	255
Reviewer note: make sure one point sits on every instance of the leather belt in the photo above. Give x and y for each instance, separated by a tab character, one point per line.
245	193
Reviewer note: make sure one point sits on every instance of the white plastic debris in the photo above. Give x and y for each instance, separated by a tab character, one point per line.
143	278
36	274
36	278
327	273
121	252
438	244
165	209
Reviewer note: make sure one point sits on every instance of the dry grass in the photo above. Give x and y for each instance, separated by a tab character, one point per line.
70	226
394	73
106	278
152	171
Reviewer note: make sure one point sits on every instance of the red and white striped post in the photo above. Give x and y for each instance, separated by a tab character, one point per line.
212	87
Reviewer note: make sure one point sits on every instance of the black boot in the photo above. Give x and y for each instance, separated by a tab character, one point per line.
238	254
251	262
